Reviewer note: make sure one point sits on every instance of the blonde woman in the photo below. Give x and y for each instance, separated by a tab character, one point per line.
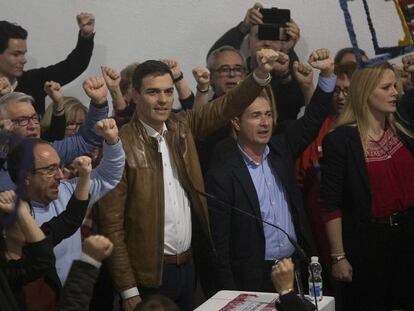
368	191
74	115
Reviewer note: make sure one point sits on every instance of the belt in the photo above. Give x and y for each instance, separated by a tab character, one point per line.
178	259
395	219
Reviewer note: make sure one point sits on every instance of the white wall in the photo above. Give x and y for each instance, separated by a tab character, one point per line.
136	30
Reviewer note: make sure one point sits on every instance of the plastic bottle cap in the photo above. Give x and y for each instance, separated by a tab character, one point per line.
314	259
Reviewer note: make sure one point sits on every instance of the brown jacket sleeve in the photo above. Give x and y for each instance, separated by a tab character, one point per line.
111	221
205	119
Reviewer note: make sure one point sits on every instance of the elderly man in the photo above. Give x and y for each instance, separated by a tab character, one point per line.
284	84
154	217
17	114
49	195
13	50
255	173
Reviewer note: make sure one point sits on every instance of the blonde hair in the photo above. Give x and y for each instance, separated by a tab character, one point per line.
126	77
71	105
363	83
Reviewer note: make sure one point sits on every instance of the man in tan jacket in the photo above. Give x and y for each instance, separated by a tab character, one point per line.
154	218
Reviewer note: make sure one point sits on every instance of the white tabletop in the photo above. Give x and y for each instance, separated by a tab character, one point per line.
220	299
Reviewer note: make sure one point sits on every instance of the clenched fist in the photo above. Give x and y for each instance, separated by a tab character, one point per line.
5	86
83	165
96	89
108	130
111	77
321	59
86	23
98	247
202	77
174	67
54	91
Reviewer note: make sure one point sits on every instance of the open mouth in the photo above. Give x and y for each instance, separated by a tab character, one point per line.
231	85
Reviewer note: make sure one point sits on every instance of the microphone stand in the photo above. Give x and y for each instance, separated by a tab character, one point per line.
295	244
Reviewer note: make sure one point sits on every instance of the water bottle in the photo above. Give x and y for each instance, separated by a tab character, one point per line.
316	267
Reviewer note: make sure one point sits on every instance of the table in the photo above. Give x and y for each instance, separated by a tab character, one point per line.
221	298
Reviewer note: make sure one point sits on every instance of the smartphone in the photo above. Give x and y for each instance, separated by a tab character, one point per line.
274	24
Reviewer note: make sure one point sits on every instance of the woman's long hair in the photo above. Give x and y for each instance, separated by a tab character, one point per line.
363	83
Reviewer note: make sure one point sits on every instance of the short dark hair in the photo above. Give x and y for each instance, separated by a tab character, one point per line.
21	160
10	31
342	52
149	68
346	69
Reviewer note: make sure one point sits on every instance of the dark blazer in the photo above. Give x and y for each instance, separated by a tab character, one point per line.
345	183
239	240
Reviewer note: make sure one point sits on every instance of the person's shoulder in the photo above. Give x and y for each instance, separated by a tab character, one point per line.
343	131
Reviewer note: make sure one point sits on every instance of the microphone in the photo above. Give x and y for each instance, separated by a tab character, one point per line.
295	244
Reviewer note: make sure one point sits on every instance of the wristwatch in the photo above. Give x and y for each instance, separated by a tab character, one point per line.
336	259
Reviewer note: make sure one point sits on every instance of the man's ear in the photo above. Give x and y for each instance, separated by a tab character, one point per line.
236	123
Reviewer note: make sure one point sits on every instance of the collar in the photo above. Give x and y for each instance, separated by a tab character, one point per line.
153	133
249	160
14	85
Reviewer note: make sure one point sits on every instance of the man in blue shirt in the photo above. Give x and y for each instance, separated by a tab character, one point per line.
255	173
17	108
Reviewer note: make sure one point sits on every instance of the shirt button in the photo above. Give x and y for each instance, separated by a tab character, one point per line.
273	203
169	183
278	223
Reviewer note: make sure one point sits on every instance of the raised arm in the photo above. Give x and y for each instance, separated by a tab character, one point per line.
234	37
202	77
302	132
65	71
56	127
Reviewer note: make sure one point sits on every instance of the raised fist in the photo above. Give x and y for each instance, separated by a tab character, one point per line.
202	77
54	90
5	86
83	165
174	67
253	16
303	73
111	76
322	60
98	247
6	125
7	201
86	23
108	130
96	89
267	60
408	63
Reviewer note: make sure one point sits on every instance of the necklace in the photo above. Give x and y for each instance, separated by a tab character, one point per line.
376	142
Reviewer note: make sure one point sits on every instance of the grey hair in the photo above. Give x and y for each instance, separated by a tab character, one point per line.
211	59
13	97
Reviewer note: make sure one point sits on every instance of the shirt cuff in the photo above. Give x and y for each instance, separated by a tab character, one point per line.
129	293
260	81
327	84
88	259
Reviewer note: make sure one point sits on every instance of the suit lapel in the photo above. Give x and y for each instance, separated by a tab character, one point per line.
358	154
242	174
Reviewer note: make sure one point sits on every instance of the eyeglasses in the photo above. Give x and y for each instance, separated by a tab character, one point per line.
73	123
226	70
23	121
48	171
338	90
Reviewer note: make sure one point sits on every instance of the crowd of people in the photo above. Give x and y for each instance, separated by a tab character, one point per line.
132	211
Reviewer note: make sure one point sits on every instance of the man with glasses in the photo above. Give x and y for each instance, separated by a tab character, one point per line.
228	67
18	111
48	194
284	84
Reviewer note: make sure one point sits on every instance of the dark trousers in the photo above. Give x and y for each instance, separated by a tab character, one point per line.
178	283
383	273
